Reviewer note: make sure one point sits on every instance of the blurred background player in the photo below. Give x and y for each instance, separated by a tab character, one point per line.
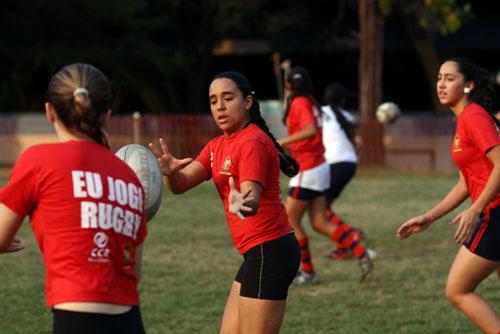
244	164
90	236
307	189
467	90
340	152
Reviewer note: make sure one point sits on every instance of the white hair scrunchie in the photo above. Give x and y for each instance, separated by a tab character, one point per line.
80	90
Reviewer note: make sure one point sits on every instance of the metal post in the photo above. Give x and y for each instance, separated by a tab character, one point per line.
136	127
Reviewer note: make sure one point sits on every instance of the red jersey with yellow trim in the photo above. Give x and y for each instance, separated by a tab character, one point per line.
308	152
476	133
248	155
86	210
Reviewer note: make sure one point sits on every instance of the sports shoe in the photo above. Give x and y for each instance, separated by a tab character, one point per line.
371	253
340	254
306	277
366	266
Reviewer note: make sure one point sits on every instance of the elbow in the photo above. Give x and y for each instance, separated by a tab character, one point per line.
311	132
255	210
173	187
176	190
251	213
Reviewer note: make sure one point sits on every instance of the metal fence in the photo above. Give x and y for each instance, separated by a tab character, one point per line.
411	143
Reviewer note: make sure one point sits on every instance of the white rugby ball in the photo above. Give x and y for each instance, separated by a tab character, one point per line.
387	112
144	164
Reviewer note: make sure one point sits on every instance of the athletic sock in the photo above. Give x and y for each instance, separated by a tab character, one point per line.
336	220
305	255
345	237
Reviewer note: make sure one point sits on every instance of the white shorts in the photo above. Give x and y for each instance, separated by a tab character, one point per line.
317	178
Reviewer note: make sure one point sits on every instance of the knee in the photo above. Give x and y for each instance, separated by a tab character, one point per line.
454	296
450	295
318	225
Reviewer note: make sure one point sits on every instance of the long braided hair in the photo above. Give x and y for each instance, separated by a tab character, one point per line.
288	165
483	91
334	96
81	94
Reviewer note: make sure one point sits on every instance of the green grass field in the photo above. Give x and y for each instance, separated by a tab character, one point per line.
189	264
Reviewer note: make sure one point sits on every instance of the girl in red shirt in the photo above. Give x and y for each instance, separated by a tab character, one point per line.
244	163
475	150
307	189
86	209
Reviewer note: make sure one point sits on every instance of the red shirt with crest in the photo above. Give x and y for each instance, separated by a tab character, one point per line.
248	155
476	133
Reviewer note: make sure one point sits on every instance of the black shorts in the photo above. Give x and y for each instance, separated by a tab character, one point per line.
69	322
485	240
340	175
269	269
304	194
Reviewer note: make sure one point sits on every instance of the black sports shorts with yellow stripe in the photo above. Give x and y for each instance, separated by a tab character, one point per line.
268	269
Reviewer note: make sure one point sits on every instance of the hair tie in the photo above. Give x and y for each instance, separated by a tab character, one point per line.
80	90
297	76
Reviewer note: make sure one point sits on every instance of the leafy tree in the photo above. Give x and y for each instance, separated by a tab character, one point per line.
162	49
159	48
424	20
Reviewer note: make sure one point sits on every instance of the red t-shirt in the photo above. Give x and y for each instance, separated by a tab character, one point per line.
248	155
476	133
86	210
309	152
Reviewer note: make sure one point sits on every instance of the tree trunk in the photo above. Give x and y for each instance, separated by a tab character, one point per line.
371	42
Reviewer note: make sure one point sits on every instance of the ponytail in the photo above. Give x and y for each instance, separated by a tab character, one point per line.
288	165
89	122
483	91
334	96
81	96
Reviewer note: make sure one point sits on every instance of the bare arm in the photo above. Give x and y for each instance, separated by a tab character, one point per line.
180	174
186	178
468	218
246	201
9	224
453	199
492	187
308	131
